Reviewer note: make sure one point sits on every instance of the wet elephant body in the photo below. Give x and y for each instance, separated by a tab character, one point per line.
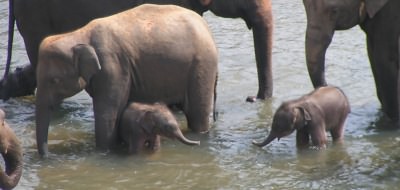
324	109
142	125
37	19
380	20
166	55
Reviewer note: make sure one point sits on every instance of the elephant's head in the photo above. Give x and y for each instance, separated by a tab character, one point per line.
288	118
62	72
162	122
323	18
11	151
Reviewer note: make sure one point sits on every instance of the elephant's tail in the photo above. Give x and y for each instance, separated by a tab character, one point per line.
11	23
215	114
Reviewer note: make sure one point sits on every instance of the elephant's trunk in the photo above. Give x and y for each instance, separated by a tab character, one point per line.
268	140
13	159
43	114
318	40
184	140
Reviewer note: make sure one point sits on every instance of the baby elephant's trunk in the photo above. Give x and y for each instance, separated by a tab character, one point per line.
269	139
184	140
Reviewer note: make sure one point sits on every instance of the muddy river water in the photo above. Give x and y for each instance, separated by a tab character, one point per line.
226	159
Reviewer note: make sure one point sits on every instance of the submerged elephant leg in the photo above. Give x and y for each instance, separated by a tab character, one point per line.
398	79
199	102
318	137
198	119
21	82
302	138
385	71
337	133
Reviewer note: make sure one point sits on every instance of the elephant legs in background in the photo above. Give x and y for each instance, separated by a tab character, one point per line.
386	77
19	83
398	80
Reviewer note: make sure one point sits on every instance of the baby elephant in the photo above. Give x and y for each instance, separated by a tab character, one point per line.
324	109
142	124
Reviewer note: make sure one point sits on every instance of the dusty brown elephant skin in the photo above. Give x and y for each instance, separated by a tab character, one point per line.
150	53
142	125
324	109
37	19
380	20
11	151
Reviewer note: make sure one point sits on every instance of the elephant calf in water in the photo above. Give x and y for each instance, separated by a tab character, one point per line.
11	151
142	124
324	109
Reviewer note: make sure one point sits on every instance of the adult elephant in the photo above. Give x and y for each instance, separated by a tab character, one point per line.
380	20
146	54
37	19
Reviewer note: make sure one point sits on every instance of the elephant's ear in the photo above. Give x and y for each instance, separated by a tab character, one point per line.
147	122
86	61
205	2
306	114
373	6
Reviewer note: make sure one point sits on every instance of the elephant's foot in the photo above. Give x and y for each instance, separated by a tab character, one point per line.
260	96
251	99
201	130
21	82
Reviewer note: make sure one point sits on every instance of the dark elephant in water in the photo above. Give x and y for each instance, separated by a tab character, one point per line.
380	20
37	19
11	150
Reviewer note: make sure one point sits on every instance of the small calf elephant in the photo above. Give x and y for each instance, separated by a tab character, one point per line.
11	150
142	124
324	109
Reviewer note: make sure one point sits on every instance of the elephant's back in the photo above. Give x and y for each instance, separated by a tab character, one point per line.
163	26
331	100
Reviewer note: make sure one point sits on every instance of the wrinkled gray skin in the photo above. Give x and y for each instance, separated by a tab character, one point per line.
146	54
142	125
380	20
11	151
324	109
37	19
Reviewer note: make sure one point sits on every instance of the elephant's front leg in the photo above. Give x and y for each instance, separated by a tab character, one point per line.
318	136
106	114
302	138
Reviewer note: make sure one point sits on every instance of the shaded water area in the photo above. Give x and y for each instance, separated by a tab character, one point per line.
226	159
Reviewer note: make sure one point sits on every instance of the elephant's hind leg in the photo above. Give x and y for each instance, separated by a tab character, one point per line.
198	104
337	133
